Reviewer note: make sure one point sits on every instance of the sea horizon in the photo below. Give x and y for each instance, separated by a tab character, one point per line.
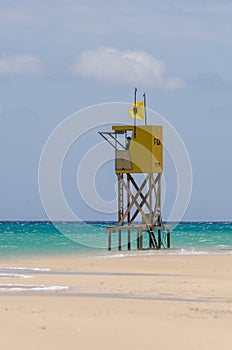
108	221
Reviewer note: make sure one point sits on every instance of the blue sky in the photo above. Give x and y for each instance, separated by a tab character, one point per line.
57	57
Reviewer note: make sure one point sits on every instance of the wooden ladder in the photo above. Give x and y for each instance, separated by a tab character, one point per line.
152	238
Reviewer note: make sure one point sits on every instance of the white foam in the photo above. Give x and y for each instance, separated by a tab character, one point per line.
189	252
20	272
25	268
164	252
13	275
24	287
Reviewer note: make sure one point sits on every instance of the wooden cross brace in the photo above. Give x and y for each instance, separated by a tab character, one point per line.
133	199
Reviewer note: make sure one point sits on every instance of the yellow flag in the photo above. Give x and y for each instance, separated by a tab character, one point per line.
136	110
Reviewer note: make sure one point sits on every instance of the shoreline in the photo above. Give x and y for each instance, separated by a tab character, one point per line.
115	254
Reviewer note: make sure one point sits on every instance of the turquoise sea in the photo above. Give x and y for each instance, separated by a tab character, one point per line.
45	238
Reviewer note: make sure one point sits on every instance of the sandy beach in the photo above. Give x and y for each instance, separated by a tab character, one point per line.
164	302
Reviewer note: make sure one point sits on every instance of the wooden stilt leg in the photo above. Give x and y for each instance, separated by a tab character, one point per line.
119	240
138	246
109	240
168	239
150	241
159	239
141	240
128	240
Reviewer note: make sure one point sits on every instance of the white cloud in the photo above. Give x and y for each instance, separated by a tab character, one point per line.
20	64
126	67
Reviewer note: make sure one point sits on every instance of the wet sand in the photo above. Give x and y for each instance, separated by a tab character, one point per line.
168	302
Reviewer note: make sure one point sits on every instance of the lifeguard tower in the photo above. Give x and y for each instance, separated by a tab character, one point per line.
139	167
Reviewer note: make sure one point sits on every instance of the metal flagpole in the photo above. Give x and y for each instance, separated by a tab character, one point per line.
145	108
135	112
